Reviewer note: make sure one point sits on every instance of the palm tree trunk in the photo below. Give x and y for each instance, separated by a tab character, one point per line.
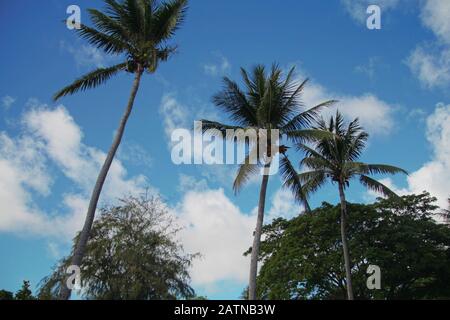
307	207
84	235
257	238
344	242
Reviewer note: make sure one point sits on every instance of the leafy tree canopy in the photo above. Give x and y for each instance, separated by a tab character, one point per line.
24	293
131	254
303	259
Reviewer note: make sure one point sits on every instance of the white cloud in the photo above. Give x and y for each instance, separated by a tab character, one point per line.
133	153
431	63
369	68
7	102
283	205
357	8
217	229
375	115
436	16
431	67
175	115
188	183
433	176
51	137
85	55
221	233
222	67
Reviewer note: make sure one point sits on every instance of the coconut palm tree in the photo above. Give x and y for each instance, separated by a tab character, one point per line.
267	102
137	30
335	158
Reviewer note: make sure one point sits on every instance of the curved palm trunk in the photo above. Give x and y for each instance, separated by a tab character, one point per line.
257	239
307	206
344	243
84	235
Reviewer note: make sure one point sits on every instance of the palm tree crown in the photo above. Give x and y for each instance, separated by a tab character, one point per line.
336	158
137	29
267	101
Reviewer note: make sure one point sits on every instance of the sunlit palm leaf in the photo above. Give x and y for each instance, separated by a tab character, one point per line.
376	186
246	170
291	181
90	80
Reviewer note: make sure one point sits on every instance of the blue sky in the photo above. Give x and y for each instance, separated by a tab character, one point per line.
396	80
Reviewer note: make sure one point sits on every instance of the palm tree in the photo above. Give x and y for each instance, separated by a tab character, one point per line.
266	102
139	31
335	158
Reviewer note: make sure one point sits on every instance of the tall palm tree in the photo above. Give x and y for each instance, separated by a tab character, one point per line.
335	158
267	101
139	31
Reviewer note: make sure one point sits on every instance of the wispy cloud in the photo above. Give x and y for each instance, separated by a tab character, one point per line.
221	67
357	8
85	55
369	68
430	62
7	102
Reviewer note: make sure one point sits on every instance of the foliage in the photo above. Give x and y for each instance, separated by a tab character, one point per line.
267	100
131	254
24	293
6	295
137	30
336	158
303	259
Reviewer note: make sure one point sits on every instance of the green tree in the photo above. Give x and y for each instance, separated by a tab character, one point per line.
6	295
139	31
302	258
446	213
335	159
132	254
267	101
25	292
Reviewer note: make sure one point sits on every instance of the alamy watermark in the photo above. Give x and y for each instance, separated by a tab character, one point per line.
73	282
74	20
374	280
228	146
373	22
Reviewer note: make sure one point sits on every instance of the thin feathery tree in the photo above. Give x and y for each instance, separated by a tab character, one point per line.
139	31
268	101
335	158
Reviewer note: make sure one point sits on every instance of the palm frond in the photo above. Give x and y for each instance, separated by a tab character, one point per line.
209	125
133	16
109	25
312	180
377	168
234	102
316	163
310	152
165	52
90	80
376	186
108	43
307	117
246	171
291	181
167	19
356	145
307	135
